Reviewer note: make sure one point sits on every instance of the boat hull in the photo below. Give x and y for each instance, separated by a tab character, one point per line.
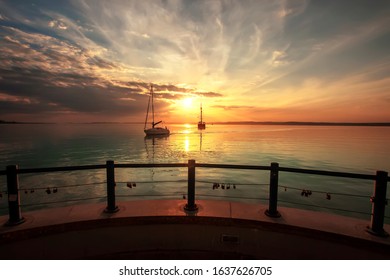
157	131
201	125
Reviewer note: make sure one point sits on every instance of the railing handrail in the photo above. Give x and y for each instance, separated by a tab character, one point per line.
205	165
329	173
379	200
146	165
61	168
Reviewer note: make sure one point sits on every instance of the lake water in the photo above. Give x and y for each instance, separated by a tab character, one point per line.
334	148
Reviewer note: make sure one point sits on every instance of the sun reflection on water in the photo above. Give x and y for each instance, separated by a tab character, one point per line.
187	144
186	129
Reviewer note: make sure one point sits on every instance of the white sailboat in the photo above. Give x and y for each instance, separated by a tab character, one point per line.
154	130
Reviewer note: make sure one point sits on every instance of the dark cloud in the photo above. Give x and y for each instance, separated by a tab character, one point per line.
168	96
27	107
100	63
41	74
33	91
208	94
175	92
172	88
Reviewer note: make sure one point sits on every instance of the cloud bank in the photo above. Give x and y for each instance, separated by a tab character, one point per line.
97	59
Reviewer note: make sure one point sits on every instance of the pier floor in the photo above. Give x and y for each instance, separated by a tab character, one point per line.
161	229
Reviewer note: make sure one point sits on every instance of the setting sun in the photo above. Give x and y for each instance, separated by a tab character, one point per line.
186	110
187	103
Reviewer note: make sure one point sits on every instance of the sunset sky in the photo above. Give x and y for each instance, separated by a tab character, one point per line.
261	60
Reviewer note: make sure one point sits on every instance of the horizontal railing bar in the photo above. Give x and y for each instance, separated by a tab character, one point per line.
205	165
62	168
328	173
145	165
378	209
232	166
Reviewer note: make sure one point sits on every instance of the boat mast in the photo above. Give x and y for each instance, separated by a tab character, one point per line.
151	90
147	113
201	123
201	115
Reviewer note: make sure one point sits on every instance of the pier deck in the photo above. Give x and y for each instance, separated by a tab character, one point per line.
162	229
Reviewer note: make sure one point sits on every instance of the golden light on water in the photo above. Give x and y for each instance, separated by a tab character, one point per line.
187	144
186	129
187	133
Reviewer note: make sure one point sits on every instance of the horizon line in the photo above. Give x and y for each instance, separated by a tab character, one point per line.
225	123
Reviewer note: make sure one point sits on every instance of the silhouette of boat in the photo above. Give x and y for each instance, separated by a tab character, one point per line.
201	123
154	130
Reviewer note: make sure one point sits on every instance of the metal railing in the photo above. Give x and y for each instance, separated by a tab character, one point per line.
378	200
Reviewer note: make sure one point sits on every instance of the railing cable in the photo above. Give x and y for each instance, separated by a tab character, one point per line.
324	207
64	201
325	192
61	187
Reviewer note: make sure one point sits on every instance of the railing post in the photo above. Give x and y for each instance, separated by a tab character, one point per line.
15	214
110	170
379	205
272	210
191	206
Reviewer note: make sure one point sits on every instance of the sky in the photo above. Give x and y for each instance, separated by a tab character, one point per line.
260	60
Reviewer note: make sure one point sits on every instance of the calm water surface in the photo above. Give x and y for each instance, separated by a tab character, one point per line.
335	148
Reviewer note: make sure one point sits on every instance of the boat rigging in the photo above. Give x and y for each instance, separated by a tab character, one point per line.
154	129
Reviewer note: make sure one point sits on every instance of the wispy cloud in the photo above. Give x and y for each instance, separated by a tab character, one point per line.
234	107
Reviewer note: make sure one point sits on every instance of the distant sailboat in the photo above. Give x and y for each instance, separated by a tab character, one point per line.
201	123
154	130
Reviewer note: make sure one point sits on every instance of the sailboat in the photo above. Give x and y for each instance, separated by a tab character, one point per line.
201	123
154	130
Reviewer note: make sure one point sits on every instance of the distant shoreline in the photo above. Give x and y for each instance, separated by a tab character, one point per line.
231	123
12	122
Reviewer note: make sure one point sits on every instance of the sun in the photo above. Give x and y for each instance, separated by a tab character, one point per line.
185	109
187	103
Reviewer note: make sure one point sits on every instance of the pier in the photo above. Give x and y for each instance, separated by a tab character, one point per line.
199	228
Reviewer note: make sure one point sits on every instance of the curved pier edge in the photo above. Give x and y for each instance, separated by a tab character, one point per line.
162	229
